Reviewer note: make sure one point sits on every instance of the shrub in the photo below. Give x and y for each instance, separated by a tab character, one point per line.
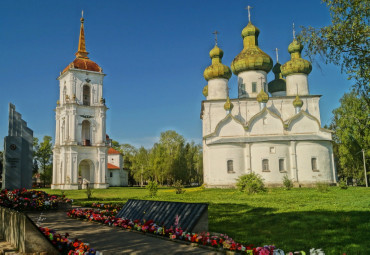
343	184
152	187
322	186
288	183
179	187
88	191
251	183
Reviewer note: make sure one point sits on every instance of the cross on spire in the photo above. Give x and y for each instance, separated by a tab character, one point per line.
263	87
215	33
277	55
293	32
249	12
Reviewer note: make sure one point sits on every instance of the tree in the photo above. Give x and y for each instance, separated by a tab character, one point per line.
345	42
140	166
129	153
351	124
1	164
43	154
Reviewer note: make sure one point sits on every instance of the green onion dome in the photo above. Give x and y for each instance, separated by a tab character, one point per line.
262	97
297	102
205	91
228	106
296	64
251	57
279	84
217	69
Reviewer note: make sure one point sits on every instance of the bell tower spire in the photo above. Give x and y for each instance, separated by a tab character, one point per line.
81	52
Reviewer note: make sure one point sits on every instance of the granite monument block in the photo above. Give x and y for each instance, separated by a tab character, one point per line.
18	153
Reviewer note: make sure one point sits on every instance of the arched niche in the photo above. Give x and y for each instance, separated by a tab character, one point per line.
86	95
86	133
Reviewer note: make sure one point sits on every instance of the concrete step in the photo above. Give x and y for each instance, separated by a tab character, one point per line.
7	249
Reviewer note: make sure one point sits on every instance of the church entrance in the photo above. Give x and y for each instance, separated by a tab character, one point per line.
86	173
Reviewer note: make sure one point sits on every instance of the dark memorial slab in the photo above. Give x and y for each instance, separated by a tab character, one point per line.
18	152
192	217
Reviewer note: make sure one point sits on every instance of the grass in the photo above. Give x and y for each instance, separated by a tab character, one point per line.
299	219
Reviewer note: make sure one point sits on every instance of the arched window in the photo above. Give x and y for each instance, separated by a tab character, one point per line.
86	95
85	136
265	165
230	166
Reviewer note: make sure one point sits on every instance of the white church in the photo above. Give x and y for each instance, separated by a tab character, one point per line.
80	152
272	128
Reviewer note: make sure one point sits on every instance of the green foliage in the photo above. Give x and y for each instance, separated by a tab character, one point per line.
169	160
88	191
250	183
179	188
152	187
336	221
345	41
322	186
43	154
351	126
343	184
288	183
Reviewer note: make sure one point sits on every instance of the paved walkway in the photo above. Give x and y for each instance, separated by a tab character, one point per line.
112	240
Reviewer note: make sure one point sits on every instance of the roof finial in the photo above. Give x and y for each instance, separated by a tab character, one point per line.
81	52
277	55
249	12
215	33
293	32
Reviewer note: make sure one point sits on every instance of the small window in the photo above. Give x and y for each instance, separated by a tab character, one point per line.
242	89
254	87
272	150
265	87
265	165
230	166
314	164
111	174
281	165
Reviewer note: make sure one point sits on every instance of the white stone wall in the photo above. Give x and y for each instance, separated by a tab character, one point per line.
297	83
245	79
217	89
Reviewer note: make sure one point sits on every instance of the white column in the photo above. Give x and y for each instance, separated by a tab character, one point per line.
67	127
249	158
57	129
73	125
293	161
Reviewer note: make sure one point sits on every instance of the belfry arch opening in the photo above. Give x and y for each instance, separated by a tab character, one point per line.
86	133
86	95
86	173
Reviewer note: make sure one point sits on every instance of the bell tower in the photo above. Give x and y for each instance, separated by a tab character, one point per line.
80	150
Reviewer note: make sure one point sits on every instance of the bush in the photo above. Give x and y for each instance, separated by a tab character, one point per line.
322	186
343	184
88	191
152	187
288	183
179	187
251	183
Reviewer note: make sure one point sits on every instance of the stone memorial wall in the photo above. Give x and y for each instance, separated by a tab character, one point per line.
18	153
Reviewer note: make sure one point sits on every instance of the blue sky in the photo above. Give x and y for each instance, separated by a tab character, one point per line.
153	52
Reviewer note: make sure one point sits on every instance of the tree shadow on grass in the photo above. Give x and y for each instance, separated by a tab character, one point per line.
334	232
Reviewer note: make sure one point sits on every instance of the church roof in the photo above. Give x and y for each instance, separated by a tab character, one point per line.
251	57
113	151
82	61
111	166
216	69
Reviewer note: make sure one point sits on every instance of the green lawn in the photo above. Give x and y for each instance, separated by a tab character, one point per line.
301	218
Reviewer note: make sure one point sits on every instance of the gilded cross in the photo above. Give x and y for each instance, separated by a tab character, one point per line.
293	31
249	12
215	33
82	13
